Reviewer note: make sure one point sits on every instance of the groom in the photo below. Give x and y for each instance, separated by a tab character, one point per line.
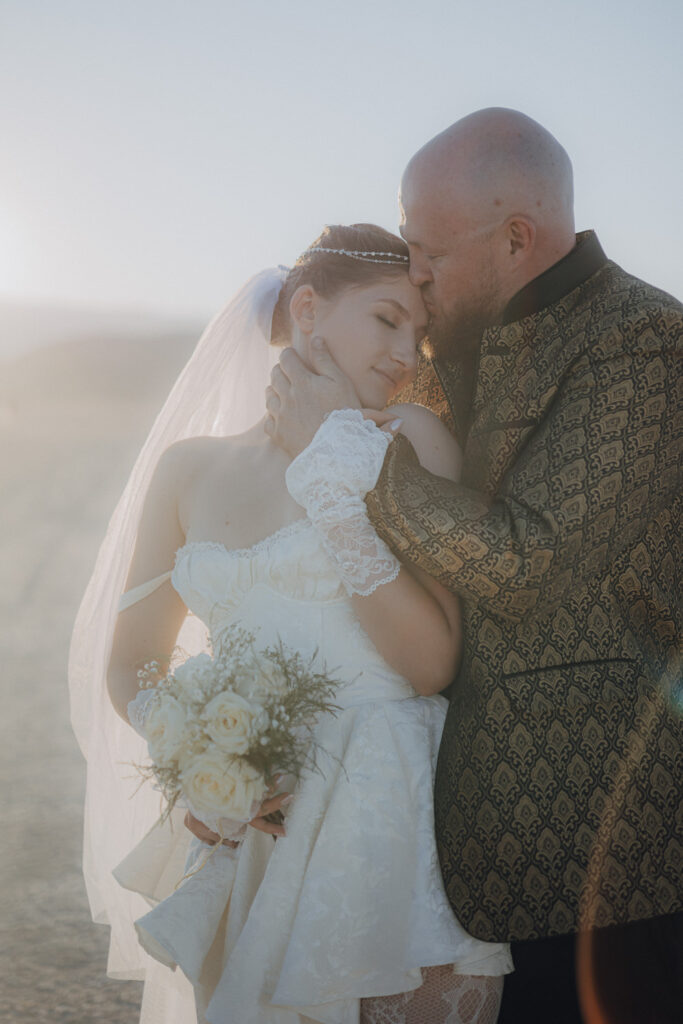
558	790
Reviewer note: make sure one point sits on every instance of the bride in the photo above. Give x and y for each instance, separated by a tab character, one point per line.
335	912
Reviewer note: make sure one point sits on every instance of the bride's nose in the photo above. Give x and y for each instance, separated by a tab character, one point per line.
404	351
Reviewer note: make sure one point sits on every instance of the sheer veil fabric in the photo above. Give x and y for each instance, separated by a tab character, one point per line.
220	392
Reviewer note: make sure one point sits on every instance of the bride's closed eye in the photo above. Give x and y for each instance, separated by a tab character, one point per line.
386	321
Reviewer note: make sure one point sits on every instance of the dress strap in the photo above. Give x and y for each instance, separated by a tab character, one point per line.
144	590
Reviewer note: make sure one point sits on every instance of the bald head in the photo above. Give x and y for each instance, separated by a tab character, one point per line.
494	164
486	207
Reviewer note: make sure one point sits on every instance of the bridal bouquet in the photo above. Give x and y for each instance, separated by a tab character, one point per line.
220	729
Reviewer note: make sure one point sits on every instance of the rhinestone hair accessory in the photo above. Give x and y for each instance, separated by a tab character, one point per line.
360	254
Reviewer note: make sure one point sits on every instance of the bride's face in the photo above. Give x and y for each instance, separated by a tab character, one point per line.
372	333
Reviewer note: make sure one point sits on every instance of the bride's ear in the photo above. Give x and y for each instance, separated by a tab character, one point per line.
302	308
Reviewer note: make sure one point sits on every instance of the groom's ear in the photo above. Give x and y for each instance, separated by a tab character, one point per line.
302	308
520	236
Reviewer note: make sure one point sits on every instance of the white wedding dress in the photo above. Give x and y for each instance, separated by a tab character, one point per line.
350	904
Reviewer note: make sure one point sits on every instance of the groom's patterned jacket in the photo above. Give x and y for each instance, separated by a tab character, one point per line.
558	792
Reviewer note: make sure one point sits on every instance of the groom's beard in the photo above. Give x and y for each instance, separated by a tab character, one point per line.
457	335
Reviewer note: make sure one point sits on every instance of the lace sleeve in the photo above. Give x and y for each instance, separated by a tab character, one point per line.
330	479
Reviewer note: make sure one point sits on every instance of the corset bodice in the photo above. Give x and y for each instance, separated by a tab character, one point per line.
286	588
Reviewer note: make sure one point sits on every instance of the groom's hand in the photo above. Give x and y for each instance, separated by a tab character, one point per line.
298	399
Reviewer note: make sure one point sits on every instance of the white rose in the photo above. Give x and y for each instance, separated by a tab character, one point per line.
232	722
194	674
216	786
165	728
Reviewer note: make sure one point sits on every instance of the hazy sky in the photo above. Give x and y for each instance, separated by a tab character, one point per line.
156	152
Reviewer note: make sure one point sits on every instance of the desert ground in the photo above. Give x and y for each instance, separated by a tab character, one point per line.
72	416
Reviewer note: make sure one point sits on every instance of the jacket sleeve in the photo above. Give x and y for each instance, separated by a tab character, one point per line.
597	470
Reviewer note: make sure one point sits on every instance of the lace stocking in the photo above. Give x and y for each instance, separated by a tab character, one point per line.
443	998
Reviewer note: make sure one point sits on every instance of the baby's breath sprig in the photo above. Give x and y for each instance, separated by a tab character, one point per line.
299	695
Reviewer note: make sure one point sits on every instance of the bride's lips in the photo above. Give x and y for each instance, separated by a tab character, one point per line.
392	381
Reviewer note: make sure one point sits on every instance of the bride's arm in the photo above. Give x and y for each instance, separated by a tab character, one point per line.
413	621
147	630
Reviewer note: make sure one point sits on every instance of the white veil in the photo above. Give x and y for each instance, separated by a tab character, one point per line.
219	392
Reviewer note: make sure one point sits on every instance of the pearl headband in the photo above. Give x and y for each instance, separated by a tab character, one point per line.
359	254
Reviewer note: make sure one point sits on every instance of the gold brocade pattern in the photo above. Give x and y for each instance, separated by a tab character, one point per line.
558	790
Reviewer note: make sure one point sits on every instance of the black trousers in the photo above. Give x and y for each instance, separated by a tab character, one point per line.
626	974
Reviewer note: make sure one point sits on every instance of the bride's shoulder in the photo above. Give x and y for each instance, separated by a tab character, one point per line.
435	446
185	458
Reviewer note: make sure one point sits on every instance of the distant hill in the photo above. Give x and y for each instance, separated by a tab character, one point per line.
25	327
73	358
128	369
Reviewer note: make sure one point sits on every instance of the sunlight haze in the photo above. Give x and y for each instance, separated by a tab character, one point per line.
158	153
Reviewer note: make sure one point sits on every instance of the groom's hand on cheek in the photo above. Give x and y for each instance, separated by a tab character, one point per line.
299	398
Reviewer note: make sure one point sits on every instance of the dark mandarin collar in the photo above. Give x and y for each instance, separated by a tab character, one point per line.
553	284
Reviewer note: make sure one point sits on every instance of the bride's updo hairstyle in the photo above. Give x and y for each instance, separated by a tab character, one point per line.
361	255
